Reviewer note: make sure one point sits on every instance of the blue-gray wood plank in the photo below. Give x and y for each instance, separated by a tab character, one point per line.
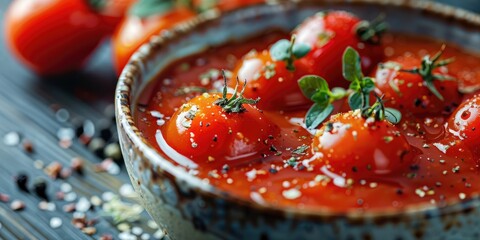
25	107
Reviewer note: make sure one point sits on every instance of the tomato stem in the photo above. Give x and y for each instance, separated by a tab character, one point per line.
236	101
426	71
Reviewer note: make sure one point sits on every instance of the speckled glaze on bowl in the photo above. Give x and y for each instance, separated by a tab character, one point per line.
189	208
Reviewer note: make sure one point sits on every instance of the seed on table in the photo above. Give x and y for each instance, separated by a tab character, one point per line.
4	197
113	151
126	236
38	164
97	146
88	129
17	205
145	236
70	197
53	170
22	180
65	173
137	231
106	236
56	222
62	115
47	206
65	187
68	208
40	188
89	230
77	165
96	201
27	146
83	205
159	234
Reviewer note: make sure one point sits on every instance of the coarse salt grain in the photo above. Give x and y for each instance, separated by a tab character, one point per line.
11	139
291	194
159	234
126	190
65	187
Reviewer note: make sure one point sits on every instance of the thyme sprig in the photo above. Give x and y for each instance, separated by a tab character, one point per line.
426	71
380	112
234	104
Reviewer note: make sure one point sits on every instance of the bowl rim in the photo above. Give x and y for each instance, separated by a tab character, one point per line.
126	123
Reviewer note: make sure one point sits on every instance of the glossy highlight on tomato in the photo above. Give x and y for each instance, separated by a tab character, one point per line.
464	123
204	132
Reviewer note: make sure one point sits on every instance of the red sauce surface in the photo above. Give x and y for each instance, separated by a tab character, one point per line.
435	179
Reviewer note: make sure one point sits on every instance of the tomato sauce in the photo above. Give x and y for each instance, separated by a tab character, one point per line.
436	178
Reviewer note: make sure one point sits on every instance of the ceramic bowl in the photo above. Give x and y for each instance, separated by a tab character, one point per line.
189	208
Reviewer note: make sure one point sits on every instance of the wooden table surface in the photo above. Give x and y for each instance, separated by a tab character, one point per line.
28	107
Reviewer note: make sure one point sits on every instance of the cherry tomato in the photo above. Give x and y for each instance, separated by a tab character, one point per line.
465	123
329	34
204	132
359	148
53	36
137	30
409	93
270	81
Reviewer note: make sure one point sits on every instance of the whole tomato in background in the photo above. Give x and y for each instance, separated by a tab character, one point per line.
150	17
146	18
57	36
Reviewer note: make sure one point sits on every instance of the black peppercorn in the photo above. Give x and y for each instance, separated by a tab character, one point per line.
40	188
22	180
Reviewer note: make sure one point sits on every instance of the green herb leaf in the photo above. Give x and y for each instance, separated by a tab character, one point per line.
355	100
236	101
317	114
310	84
368	85
393	115
300	50
288	51
351	65
146	8
279	50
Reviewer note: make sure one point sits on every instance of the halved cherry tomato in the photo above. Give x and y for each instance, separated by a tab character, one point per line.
409	92
465	123
53	36
329	34
361	148
205	132
136	30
